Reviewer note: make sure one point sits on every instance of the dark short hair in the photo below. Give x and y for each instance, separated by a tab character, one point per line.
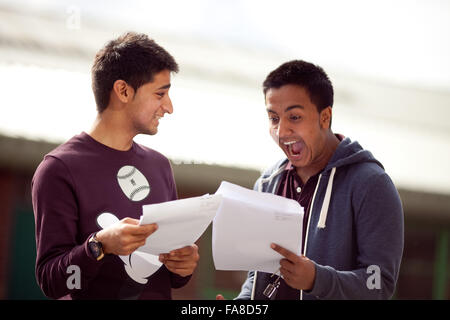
133	58
306	75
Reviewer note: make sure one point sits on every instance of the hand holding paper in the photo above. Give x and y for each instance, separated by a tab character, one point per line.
298	271
180	222
181	261
138	265
246	224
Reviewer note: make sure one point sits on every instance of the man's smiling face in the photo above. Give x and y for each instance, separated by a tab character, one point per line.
150	102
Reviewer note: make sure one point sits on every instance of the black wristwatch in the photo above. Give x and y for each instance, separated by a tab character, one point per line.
95	247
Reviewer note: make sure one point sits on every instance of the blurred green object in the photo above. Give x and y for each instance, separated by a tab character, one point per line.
22	283
210	293
441	266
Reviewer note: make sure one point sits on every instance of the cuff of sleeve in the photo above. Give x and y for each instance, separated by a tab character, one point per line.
179	281
89	265
321	282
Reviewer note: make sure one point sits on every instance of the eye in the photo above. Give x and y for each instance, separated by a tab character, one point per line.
161	94
295	117
273	119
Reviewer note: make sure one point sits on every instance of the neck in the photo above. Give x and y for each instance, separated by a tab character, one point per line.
110	131
330	146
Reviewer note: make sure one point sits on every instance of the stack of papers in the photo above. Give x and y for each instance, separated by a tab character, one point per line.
245	225
180	222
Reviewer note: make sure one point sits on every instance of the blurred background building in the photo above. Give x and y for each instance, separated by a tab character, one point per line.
388	61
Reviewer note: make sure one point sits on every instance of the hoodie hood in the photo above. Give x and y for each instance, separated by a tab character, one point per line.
347	153
350	152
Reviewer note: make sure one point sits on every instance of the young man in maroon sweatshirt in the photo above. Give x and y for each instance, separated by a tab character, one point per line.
102	174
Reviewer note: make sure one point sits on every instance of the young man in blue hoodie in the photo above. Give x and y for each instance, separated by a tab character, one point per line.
353	223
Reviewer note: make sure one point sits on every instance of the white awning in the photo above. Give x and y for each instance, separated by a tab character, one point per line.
219	113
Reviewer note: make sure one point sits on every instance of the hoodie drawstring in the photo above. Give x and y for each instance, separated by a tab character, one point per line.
326	201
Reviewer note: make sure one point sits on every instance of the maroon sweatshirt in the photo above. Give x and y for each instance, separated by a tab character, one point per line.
73	185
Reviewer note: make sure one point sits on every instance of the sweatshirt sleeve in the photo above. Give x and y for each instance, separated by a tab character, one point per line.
379	237
177	281
57	241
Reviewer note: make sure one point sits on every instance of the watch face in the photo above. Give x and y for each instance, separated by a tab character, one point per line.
95	249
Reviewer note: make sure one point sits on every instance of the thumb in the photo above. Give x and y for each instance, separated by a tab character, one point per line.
220	297
150	228
130	221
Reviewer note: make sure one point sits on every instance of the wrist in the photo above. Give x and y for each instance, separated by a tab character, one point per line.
95	247
101	237
312	276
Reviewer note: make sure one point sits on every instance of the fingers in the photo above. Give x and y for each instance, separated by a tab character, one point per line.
125	237
182	261
184	264
289	264
286	266
169	257
134	236
182	268
129	248
184	272
285	253
181	254
185	251
298	272
132	227
130	221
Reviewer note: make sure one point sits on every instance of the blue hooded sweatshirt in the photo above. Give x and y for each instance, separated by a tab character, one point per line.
354	230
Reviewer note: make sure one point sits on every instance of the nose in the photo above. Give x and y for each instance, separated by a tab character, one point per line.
283	129
167	105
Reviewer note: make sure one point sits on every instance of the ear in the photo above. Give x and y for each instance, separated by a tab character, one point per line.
123	91
325	118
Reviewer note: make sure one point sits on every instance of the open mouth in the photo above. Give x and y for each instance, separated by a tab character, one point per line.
157	117
294	148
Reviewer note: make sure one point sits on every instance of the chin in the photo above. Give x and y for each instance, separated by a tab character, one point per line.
298	163
149	132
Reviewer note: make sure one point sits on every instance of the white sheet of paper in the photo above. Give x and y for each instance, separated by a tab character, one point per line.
245	225
180	222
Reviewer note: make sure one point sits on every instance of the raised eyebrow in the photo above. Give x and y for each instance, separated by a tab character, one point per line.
270	111
294	107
